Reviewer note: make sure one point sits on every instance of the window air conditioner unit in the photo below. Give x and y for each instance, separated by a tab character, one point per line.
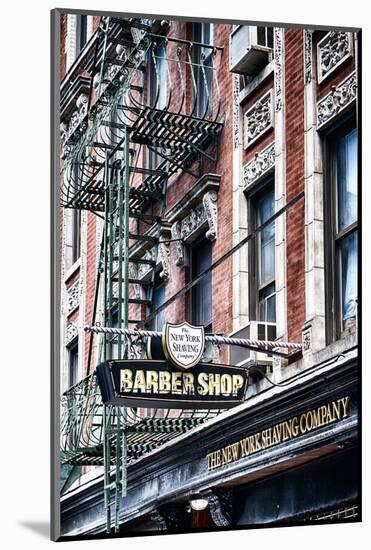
255	330
250	49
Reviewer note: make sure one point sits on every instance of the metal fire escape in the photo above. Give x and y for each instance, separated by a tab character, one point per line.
117	162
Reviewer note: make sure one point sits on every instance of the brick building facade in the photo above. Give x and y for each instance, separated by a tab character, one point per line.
285	100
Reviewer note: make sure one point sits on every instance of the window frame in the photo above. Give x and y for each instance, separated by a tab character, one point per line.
198	35
73	351
152	325
81	32
255	289
75	235
332	237
191	307
155	89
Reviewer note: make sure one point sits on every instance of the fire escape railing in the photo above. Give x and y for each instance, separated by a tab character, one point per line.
153	109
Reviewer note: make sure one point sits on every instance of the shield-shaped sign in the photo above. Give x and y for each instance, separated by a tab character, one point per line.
183	344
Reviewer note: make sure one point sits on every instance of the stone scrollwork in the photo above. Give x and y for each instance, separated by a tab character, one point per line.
164	260
179	249
278	63
259	166
209	201
71	332
258	119
306	337
73	293
236	111
337	100
221	506
308	47
67	128
193	221
133	274
82	104
332	51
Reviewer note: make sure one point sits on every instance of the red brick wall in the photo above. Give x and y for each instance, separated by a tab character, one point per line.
90	281
294	84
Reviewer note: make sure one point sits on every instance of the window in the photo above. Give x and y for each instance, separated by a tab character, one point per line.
158	299
73	229
157	89
202	57
201	292
81	32
262	255
76	234
265	36
73	363
341	226
157	80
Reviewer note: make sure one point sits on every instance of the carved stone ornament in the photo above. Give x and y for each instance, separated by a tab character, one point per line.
332	51
256	168
133	274
308	47
164	259
337	100
221	506
73	297
82	104
258	119
144	269
71	332
209	201
278	67
179	248
306	337
236	111
67	128
193	221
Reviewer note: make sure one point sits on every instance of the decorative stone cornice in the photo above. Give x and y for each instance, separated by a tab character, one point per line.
278	67
73	297
208	182
71	332
195	214
203	218
259	166
332	51
336	101
308	54
258	119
